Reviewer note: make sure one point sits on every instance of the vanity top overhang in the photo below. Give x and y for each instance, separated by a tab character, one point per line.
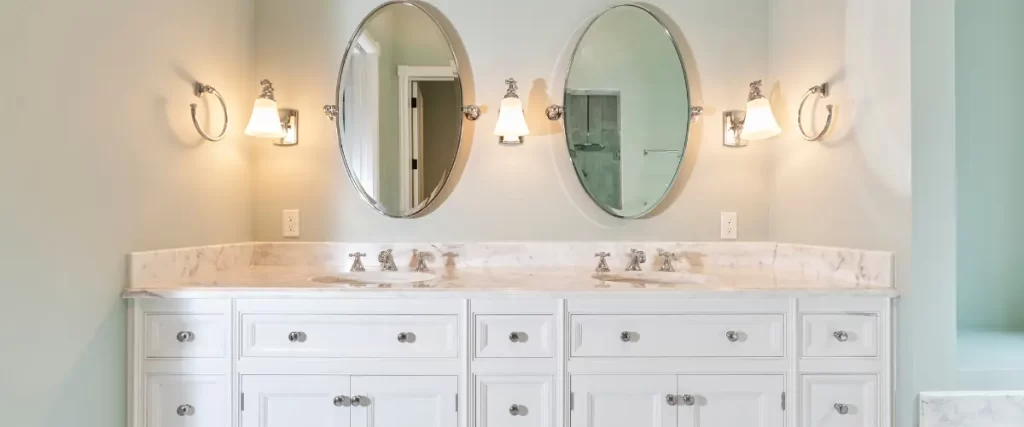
303	270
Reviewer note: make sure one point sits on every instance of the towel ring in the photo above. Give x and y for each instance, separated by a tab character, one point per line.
822	92
201	89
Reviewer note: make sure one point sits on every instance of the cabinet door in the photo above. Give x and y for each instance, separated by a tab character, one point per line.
405	401
295	401
730	400
187	401
623	400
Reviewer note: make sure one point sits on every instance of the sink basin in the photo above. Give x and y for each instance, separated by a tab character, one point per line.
374	278
653	277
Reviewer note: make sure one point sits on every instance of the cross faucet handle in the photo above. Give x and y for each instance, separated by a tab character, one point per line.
666	260
357	263
602	266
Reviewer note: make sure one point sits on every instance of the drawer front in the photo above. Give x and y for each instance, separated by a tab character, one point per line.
840	401
327	336
519	401
186	335
840	335
187	401
514	335
725	335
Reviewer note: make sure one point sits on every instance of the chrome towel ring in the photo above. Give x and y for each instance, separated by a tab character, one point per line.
201	89
822	92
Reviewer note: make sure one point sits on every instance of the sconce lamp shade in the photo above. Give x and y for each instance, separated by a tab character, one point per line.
760	122
265	121
511	122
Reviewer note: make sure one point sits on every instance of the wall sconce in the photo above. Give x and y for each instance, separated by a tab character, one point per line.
756	123
267	121
511	127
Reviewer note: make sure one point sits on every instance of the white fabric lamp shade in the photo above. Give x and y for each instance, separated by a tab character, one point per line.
265	122
511	122
760	121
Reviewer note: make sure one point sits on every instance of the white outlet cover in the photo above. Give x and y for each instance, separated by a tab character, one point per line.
730	226
290	223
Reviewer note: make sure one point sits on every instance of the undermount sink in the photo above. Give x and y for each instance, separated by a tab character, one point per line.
653	277
374	278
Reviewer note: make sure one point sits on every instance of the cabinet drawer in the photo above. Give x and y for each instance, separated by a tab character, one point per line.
519	401
187	401
840	335
840	401
514	335
685	335
333	335
186	335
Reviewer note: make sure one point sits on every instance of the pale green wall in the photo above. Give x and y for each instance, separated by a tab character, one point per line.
99	159
989	160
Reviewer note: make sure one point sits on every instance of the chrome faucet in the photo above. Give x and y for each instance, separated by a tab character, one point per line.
387	261
666	260
421	261
602	266
635	259
357	262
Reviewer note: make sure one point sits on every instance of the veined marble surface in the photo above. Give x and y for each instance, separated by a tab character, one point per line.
531	266
972	409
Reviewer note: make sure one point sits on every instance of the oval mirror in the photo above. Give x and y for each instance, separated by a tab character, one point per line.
626	111
399	117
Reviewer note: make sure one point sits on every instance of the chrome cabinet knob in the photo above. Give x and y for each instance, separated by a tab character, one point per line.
626	336
186	336
842	408
360	400
732	336
297	337
340	401
689	400
671	399
514	337
185	410
841	336
404	336
514	410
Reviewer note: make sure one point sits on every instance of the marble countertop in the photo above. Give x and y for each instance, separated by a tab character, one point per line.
295	282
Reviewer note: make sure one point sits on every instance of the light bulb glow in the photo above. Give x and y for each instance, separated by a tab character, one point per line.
760	122
265	121
511	121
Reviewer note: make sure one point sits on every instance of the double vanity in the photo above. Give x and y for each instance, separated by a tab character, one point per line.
511	335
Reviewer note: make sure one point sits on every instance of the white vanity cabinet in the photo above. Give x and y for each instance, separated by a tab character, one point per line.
522	359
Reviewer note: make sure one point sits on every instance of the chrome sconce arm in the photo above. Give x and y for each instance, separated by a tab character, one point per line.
199	90
822	91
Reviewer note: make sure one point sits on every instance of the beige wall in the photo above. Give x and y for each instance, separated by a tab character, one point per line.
524	192
100	159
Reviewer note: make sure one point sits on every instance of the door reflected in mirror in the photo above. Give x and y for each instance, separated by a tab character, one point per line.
400	119
626	111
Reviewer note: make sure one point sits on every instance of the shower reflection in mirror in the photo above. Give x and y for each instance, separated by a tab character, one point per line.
626	110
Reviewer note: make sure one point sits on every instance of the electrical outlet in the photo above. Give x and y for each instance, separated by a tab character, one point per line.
730	227
290	223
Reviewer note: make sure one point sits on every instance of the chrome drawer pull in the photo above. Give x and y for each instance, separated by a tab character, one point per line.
514	337
186	336
405	337
689	400
360	400
297	337
185	410
841	336
515	409
732	336
842	409
671	399
340	401
626	336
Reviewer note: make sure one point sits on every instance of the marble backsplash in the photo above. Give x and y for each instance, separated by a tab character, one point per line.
972	409
200	263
